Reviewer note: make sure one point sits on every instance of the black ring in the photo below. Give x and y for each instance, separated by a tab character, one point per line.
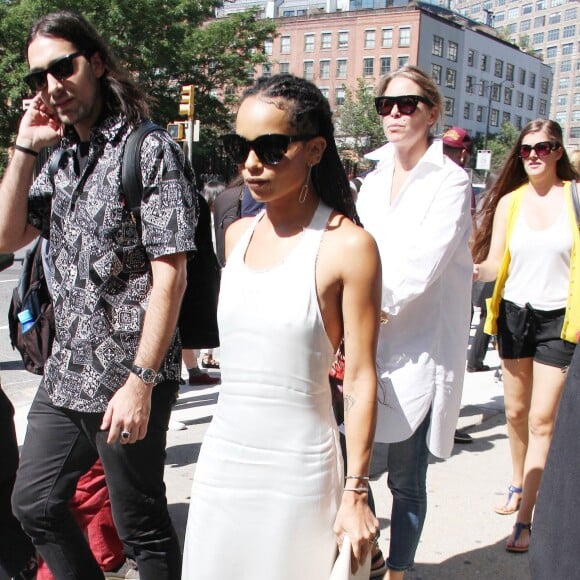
125	434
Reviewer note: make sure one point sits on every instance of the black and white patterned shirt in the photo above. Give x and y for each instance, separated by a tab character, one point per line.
100	265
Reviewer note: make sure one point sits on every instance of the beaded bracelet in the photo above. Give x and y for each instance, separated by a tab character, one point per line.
26	150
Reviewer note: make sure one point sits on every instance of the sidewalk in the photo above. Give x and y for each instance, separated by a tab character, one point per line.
463	538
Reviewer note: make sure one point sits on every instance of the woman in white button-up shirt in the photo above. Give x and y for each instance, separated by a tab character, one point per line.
416	203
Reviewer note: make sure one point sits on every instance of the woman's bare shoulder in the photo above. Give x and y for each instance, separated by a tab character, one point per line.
351	240
235	231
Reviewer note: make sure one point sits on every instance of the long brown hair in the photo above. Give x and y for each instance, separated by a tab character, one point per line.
511	177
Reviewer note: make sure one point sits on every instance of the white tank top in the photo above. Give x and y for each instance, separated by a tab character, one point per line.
539	270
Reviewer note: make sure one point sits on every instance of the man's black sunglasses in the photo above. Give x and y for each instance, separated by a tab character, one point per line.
270	149
60	69
406	104
542	149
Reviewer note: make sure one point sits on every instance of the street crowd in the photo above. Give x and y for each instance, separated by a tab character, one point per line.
343	319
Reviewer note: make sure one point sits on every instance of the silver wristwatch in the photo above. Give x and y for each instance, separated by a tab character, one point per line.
148	376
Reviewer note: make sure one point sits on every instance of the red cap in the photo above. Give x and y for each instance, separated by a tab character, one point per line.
458	138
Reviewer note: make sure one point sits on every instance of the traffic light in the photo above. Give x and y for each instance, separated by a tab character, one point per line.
177	130
186	108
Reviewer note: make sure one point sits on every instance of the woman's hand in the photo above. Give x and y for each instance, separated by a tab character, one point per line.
475	272
356	520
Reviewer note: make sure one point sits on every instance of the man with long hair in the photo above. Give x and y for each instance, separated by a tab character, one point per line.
117	284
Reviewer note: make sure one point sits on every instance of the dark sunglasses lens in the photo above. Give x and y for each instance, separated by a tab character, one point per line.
384	106
525	151
406	105
542	149
36	81
62	69
236	147
270	149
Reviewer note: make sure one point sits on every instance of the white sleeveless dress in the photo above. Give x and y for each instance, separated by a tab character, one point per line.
269	478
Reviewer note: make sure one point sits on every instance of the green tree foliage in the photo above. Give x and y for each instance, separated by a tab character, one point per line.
165	43
500	146
360	127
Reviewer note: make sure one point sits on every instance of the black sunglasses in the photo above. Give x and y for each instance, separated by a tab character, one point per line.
406	104
270	149
60	69
542	149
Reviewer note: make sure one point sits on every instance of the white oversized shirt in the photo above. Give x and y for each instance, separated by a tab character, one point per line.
427	271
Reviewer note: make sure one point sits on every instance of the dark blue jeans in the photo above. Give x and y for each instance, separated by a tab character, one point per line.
60	446
407	467
16	549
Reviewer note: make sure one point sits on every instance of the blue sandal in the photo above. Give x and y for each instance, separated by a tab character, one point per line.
511	546
505	510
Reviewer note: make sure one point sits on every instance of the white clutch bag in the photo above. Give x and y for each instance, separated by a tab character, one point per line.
341	568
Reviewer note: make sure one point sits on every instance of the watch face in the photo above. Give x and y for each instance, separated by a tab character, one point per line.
148	376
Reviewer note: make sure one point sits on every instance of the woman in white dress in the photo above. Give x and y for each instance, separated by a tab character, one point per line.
269	498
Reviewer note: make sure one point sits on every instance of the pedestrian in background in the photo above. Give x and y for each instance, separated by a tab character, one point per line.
529	243
417	205
299	277
113	375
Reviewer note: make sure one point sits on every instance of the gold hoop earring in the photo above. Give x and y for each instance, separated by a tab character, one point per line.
304	191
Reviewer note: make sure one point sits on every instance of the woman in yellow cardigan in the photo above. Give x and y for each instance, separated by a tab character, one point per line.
529	243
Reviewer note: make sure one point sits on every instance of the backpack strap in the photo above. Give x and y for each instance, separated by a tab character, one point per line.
131	181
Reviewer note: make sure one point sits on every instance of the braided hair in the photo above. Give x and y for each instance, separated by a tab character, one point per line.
309	113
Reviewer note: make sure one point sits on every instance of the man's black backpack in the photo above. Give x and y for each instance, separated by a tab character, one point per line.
35	344
198	316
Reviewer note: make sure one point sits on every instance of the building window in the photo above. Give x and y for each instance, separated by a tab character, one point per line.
574	132
538	38
341	68
530	103
402	61
324	91
571	14
467	111
449	106
484	63
511	28
545	85
452	51
339	96
324	69
308	42
387	38
450	78
555	3
267	70
498	70
436	73
326	41
285	44
496	92
562	100
437	48
575	116
507	95
369	38
525	25
471	57
479	114
539	22
385	65
533	80
368	67
287	13
469	82
518	122
509	72
553	34
543	107
522	76
499	17
494	118
568	48
268	47
552	52
554	18
284	68
540	5
527	8
576	98
566	66
569	31
513	13
343	39
404	36
564	82
505	117
520	99
308	70
481	88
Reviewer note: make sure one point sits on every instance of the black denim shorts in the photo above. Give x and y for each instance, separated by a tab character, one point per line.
525	332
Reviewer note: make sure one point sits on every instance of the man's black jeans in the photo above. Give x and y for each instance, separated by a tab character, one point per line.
60	446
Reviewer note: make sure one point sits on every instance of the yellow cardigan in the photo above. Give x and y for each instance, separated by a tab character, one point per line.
572	318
